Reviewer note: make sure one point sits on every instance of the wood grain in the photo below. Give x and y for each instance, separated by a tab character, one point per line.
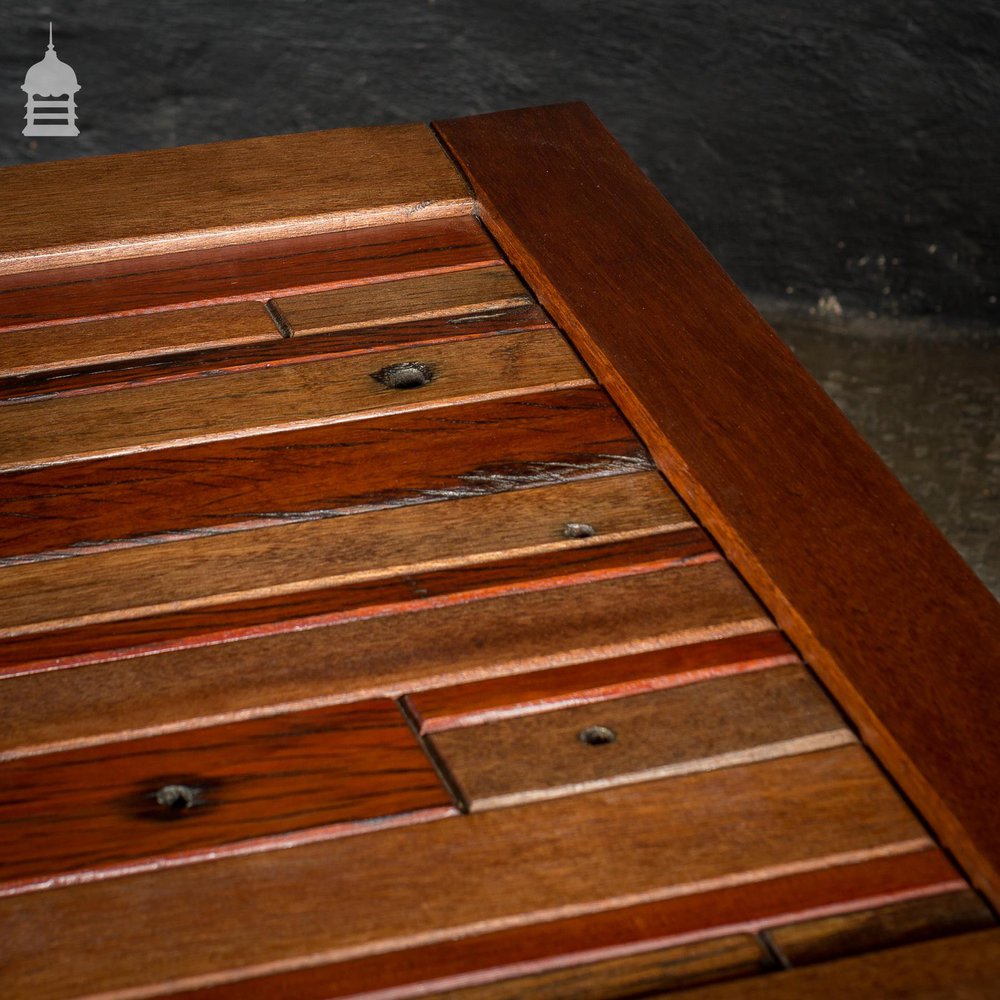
109	207
131	583
268	912
415	457
667	969
961	968
889	926
865	586
449	294
327	772
287	397
226	620
276	351
607	933
584	683
47	348
378	654
240	272
697	727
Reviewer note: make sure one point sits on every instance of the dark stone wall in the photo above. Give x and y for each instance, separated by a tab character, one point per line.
817	148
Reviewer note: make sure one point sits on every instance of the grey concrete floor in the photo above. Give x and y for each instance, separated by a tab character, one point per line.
929	403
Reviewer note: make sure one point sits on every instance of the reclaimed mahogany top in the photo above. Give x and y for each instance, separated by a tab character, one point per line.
414	561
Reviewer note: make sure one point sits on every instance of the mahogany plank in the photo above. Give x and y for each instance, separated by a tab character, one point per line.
132	205
667	969
280	350
696	727
906	922
432	588
276	911
244	271
584	683
201	793
449	294
414	457
605	933
380	653
286	397
958	968
47	348
864	585
145	580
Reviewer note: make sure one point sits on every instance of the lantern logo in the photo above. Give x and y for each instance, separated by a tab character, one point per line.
51	87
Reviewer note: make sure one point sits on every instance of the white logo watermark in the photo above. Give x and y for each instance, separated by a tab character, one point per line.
51	87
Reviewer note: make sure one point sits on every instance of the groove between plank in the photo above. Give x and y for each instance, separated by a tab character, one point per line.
389	654
843	811
275	561
607	934
125	638
286	398
279	478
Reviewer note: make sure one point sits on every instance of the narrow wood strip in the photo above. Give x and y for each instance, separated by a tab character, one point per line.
606	933
962	968
268	913
132	583
48	348
697	727
108	207
864	585
287	397
332	770
481	448
472	704
674	968
448	294
890	926
385	654
276	613
243	271
276	351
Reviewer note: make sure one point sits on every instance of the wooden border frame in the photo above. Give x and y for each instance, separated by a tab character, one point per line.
904	634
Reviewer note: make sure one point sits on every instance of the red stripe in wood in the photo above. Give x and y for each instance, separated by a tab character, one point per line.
243	271
470	704
281	613
467	450
318	347
328	771
561	943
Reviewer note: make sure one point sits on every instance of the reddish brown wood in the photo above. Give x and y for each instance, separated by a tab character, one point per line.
383	653
721	723
966	967
436	454
156	201
325	606
898	627
561	943
326	772
244	271
471	704
887	926
338	899
289	350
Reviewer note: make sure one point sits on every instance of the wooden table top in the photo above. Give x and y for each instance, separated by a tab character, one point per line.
422	573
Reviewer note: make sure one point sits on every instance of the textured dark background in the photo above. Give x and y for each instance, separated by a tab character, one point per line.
818	148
